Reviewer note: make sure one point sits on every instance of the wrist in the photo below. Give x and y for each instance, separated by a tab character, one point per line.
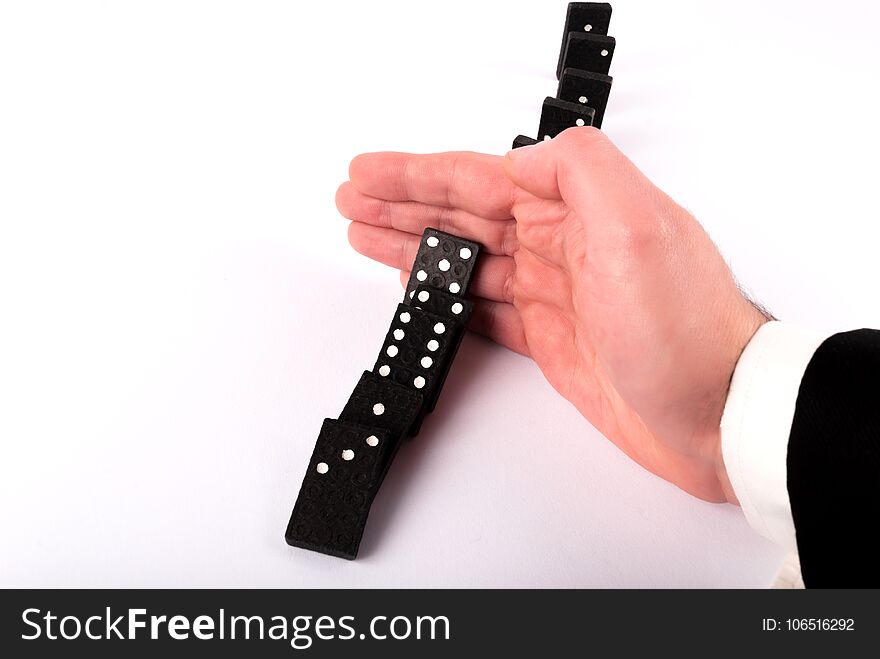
721	472
743	332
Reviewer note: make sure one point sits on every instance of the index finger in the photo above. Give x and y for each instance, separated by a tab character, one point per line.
475	182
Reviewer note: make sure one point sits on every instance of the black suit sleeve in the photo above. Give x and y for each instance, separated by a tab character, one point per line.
833	463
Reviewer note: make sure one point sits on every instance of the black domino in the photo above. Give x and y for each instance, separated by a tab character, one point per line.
417	350
522	140
416	346
443	261
588	52
441	303
379	402
342	479
558	115
456	309
583	18
587	89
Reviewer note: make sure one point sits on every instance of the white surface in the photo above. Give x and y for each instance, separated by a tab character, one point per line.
757	422
180	308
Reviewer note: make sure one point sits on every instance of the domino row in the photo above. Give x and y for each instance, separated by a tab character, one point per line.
582	71
353	453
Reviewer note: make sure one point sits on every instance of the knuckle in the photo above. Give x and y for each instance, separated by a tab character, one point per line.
408	178
451	181
444	220
404	259
634	241
508	287
584	137
384	213
509	242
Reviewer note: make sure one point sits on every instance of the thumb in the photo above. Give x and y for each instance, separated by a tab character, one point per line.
579	166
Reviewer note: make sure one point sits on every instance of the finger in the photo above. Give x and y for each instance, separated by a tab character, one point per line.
538	168
501	323
496	236
493	278
497	321
474	182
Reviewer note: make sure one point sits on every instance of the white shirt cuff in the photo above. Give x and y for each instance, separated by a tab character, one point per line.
757	421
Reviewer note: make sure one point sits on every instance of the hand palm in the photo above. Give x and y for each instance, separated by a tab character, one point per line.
552	289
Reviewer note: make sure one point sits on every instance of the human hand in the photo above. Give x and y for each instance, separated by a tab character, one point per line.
615	291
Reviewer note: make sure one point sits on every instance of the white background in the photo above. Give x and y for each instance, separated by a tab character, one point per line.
180	308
